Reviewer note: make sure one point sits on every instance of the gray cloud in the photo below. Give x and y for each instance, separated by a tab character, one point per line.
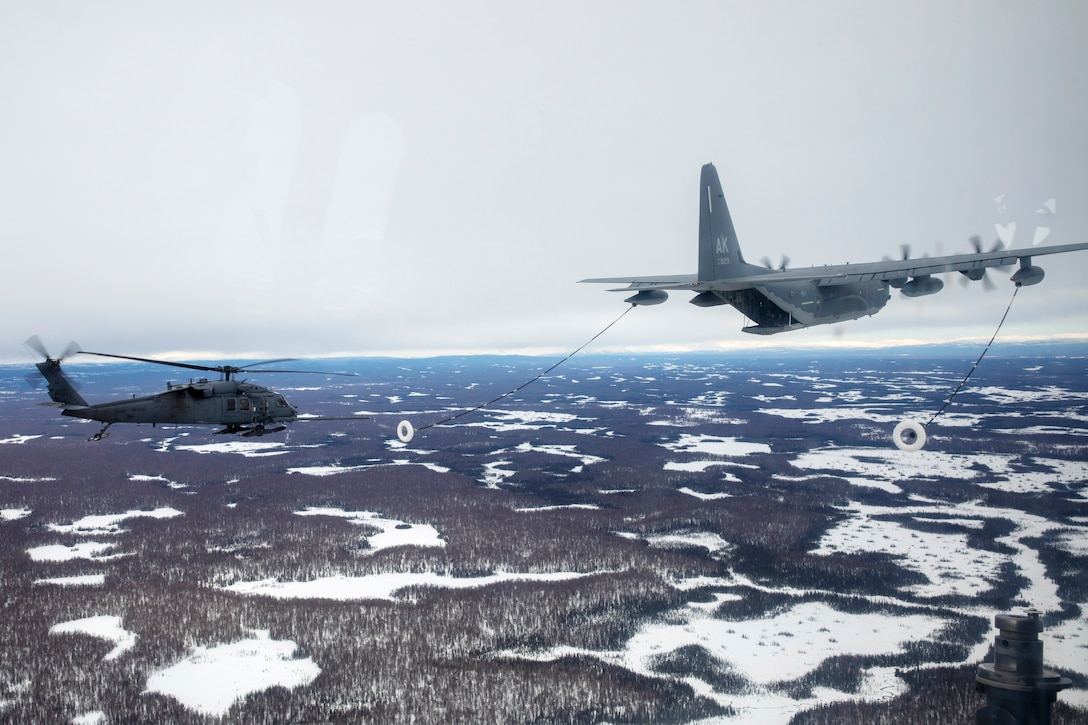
306	180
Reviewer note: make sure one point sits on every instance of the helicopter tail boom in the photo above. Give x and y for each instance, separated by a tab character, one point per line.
61	389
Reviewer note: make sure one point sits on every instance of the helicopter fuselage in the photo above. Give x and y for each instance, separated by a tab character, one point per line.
241	407
223	402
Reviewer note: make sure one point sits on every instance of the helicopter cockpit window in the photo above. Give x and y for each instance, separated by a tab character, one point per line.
281	402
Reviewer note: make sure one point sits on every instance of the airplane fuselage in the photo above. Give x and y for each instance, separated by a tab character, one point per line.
784	306
792	305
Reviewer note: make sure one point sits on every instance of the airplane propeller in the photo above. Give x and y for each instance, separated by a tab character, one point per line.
898	282
785	263
982	274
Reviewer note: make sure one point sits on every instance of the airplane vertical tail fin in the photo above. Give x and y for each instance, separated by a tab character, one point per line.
719	252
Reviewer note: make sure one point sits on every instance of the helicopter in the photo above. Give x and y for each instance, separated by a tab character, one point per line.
241	407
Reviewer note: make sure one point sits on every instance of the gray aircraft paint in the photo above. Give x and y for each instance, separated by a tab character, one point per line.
791	299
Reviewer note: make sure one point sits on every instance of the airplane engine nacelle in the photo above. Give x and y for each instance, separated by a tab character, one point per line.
648	297
921	286
1028	276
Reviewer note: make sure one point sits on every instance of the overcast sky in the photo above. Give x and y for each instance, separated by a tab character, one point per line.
414	178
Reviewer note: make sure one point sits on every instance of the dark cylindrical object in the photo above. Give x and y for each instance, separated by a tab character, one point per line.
1019	690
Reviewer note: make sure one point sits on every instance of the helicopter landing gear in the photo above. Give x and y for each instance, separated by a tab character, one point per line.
260	430
250	431
101	434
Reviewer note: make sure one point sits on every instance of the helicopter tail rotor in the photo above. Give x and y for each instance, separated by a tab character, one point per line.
61	389
35	343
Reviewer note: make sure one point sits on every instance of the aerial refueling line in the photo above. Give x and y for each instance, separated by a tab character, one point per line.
910	435
405	431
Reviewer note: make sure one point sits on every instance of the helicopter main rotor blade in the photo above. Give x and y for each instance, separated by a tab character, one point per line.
227	370
262	362
190	366
246	370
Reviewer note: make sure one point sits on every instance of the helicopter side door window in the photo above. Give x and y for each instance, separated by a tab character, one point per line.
232	404
243	403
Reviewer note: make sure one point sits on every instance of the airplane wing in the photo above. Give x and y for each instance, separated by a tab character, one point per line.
675	281
838	274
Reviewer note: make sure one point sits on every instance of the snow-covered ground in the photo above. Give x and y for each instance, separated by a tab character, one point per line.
108	524
18	439
92	550
336	469
211	679
882	467
788	644
384	586
13	514
714	445
104	626
250	449
393	532
769	650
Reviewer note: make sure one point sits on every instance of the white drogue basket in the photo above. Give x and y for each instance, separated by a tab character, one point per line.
909	435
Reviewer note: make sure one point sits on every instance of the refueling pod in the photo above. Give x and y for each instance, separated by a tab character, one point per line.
1027	275
648	297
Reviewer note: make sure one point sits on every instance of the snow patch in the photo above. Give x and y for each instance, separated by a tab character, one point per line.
109	524
249	449
58	552
714	445
211	679
382	586
393	532
18	439
107	627
14	514
82	580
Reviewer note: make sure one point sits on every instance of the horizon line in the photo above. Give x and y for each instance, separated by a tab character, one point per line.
762	345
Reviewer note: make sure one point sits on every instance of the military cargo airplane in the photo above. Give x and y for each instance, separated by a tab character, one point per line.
784	299
239	406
